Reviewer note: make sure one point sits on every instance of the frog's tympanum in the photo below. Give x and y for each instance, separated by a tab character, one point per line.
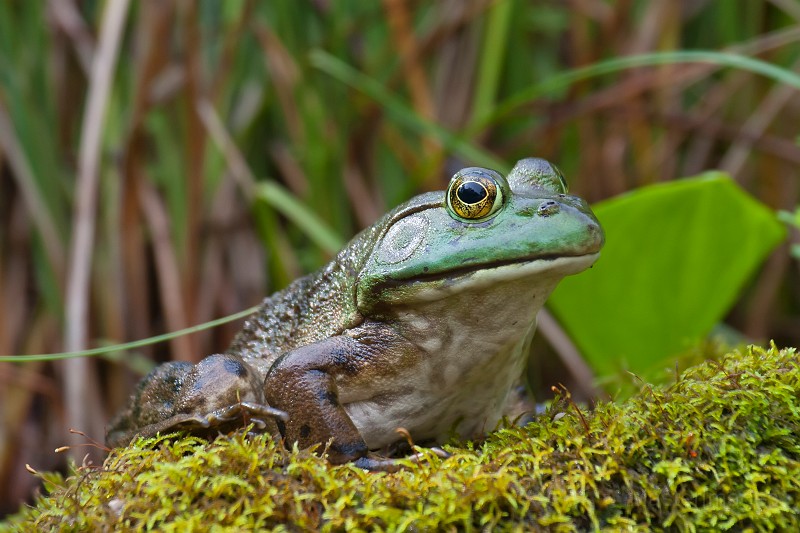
422	322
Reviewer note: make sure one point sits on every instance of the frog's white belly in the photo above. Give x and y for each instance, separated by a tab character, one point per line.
473	346
440	409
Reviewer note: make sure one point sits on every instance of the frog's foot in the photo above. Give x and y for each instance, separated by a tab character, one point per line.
223	420
376	463
259	414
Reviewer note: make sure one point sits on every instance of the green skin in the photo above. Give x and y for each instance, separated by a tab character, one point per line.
421	323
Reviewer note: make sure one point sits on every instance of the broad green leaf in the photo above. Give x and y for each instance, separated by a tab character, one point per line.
677	256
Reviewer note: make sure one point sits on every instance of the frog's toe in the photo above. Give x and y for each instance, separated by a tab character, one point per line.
260	409
379	464
244	411
375	463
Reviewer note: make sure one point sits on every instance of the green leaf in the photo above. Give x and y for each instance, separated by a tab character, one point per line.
676	257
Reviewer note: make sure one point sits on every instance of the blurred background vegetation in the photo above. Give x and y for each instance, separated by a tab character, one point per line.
164	163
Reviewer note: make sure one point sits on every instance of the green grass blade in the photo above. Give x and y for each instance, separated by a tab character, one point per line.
565	79
495	44
128	345
289	206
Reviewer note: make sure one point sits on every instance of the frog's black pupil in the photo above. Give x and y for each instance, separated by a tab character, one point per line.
471	192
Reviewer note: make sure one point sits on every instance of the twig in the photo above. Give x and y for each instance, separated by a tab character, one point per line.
568	353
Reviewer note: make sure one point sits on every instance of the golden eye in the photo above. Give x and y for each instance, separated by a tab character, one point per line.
475	194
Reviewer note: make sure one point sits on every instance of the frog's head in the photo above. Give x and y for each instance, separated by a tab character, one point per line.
485	229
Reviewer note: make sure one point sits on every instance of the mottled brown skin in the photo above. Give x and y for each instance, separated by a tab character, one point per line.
216	394
421	322
307	380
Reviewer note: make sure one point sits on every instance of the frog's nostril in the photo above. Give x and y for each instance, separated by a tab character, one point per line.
548	208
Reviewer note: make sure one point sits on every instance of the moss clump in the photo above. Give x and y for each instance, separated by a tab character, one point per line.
718	449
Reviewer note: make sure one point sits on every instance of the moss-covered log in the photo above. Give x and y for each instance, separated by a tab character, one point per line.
718	449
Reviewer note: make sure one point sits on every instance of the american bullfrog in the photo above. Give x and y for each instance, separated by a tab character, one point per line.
422	322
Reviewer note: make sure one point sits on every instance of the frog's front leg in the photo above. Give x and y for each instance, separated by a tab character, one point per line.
218	393
302	383
305	384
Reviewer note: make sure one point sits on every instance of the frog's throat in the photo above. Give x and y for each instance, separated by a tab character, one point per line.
542	270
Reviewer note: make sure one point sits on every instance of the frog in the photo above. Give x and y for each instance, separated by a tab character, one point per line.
418	329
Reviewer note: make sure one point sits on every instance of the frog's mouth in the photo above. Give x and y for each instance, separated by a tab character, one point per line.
539	263
545	270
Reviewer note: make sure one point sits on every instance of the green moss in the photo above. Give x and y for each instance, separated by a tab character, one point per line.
718	449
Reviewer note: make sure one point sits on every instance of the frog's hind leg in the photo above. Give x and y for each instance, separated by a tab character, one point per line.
153	402
217	394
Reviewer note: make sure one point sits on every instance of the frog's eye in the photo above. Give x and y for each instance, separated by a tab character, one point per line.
475	194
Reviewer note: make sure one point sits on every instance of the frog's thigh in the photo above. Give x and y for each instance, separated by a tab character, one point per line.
301	383
182	396
216	382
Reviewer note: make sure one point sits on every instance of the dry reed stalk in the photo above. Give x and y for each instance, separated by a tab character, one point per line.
82	396
168	273
756	125
195	147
